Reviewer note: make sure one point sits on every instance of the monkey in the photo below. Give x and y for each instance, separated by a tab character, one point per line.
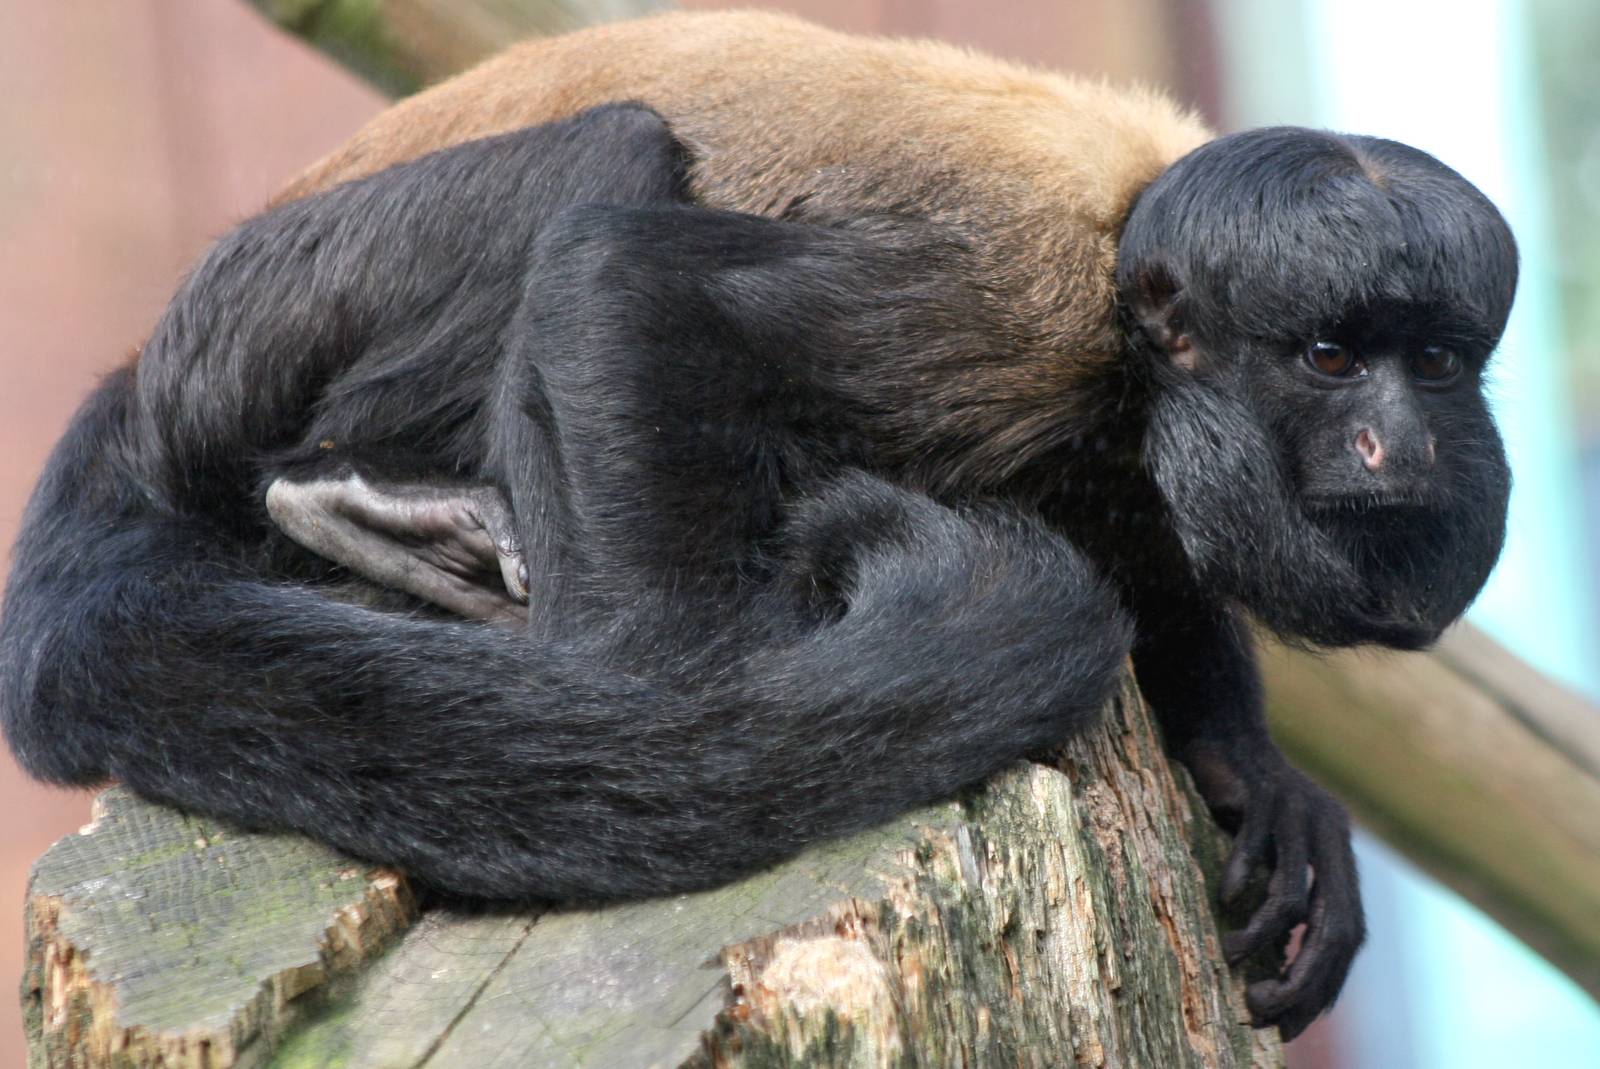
670	445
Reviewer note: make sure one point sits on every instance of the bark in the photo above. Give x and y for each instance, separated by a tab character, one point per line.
1056	917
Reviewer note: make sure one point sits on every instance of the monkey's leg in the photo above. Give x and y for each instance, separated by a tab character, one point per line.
1197	671
372	314
677	375
137	645
442	246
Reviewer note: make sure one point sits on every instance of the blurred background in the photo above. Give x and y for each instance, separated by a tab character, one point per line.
133	133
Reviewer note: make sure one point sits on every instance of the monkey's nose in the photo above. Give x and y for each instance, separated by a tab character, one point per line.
1370	448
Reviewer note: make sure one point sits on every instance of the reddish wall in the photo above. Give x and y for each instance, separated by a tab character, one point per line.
133	132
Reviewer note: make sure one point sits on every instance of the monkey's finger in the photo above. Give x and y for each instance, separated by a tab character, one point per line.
1315	977
1290	1017
1288	891
514	570
1249	851
1269	926
493	515
1334	932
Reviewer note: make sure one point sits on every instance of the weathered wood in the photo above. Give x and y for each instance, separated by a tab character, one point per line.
1471	763
402	45
159	939
1056	917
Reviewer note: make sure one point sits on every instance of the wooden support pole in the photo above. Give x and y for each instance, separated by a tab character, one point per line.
1472	764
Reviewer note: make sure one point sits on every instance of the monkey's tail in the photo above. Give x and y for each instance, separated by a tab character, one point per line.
131	647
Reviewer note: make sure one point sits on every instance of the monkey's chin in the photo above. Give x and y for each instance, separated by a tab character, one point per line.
1393	625
1416	568
1325	584
1338	613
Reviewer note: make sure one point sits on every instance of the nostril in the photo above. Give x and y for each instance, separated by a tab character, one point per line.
1370	448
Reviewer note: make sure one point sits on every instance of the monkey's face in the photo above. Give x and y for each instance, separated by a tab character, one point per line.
1392	454
1358	414
1348	491
1315	311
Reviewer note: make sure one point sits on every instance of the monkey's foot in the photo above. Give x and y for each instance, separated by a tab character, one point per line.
452	545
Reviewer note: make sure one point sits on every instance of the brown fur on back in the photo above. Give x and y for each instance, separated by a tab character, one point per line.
1036	171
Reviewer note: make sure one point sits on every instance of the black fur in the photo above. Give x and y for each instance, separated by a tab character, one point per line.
742	641
765	608
1370	243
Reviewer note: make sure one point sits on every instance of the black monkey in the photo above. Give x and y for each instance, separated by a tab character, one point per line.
739	638
792	519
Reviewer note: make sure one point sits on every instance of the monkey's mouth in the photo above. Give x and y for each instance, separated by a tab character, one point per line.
1388	502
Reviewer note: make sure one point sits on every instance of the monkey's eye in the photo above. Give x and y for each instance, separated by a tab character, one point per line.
1436	364
1331	358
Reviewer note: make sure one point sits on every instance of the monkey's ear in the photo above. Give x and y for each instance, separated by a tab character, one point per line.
452	545
1157	306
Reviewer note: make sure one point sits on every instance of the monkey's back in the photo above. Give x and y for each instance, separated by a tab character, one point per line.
1035	170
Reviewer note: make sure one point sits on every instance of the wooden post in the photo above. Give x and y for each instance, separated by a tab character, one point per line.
1055	917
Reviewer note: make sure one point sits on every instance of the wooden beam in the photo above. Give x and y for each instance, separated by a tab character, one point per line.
1472	764
402	45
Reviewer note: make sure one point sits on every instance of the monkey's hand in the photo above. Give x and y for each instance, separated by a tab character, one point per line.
1283	821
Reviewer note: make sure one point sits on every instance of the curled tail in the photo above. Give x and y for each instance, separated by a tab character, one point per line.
134	645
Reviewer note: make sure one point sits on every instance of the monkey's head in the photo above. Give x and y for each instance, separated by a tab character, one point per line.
1312	314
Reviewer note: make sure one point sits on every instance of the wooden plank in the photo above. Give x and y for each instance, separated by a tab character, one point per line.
403	1005
639	984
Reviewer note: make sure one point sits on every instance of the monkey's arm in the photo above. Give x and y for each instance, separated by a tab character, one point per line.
1198	673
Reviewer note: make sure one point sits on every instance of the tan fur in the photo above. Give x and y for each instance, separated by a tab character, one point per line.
1036	170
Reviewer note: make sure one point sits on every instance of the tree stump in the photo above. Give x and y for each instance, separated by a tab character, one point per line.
1056	917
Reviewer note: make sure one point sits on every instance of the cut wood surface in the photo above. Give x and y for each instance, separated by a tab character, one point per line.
1057	917
158	939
